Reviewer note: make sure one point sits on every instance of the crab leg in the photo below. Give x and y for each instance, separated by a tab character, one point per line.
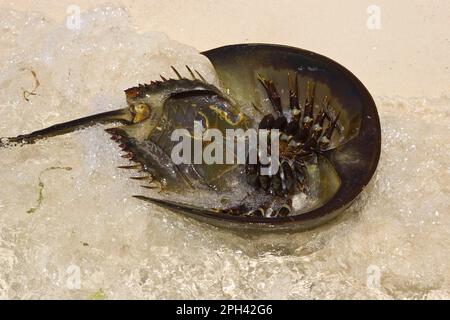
272	93
293	91
325	140
308	114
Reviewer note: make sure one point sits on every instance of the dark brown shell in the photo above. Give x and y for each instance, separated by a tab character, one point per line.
355	158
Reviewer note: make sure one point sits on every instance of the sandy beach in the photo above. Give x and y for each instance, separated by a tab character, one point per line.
408	56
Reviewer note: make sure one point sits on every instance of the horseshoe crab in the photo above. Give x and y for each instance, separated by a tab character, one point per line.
327	124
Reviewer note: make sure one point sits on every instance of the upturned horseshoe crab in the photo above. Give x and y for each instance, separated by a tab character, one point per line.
329	135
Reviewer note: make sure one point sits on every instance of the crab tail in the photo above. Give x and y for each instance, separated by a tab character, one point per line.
120	115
